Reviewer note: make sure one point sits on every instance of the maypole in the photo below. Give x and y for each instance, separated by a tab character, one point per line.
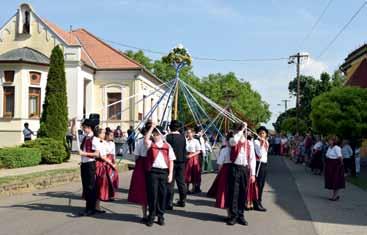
178	58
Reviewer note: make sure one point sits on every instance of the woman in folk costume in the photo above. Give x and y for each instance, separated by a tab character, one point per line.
138	186
219	188
261	146
252	191
103	166
334	168
112	172
192	168
241	158
159	166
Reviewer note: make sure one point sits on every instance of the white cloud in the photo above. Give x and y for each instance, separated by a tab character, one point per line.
313	68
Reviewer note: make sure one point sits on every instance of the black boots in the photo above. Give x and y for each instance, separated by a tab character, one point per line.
259	207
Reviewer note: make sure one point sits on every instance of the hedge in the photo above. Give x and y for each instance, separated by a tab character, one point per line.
52	151
16	157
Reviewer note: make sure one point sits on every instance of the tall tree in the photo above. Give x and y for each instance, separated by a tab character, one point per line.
54	120
342	112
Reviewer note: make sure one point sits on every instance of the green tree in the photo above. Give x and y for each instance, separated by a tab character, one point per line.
290	113
342	112
54	118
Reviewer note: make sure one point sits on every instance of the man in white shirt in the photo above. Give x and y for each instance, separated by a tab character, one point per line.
241	156
89	152
261	151
159	167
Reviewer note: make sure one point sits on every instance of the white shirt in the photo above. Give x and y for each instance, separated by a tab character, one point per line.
95	146
334	152
193	146
283	140
261	151
347	151
140	148
27	133
159	161
224	156
208	147
318	146
242	156
110	147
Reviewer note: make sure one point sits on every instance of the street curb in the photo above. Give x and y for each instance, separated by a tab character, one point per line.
14	185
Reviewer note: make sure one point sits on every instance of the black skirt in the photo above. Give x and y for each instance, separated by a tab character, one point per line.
334	174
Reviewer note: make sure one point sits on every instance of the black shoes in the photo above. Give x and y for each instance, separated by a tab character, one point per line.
242	221
231	221
180	204
169	208
87	213
149	222
259	207
161	221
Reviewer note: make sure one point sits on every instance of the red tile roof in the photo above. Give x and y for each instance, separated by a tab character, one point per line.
359	78
68	37
103	55
95	53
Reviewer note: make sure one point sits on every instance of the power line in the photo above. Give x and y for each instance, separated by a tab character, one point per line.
342	29
315	24
199	58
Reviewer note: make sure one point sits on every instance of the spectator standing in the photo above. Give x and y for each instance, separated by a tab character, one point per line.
27	132
347	154
131	139
118	140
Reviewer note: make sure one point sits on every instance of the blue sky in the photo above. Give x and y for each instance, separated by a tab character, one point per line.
233	29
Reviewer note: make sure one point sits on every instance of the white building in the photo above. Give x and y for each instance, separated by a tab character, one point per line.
96	75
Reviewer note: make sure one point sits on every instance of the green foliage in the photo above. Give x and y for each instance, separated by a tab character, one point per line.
54	118
140	58
342	112
52	151
309	89
16	157
290	113
289	125
178	55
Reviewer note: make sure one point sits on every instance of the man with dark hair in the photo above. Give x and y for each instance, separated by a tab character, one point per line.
178	143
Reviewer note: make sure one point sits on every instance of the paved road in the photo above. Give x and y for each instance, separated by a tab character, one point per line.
49	212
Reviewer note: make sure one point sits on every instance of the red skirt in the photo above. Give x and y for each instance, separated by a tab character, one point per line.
252	192
104	178
334	174
219	188
114	176
138	190
193	171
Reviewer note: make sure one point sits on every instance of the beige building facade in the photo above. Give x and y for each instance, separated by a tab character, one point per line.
97	76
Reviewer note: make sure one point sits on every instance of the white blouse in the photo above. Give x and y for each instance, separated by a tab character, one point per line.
110	147
224	156
334	152
140	148
193	146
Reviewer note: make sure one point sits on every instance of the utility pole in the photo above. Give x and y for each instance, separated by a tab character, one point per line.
285	104
297	59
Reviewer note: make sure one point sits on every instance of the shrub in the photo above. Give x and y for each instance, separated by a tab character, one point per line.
16	157
52	151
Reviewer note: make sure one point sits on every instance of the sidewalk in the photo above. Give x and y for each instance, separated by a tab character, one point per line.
346	216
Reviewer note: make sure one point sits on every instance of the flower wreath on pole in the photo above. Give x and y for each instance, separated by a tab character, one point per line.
178	57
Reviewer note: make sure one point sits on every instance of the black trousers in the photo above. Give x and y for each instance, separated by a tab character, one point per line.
131	147
157	186
178	176
260	179
88	175
348	165
237	182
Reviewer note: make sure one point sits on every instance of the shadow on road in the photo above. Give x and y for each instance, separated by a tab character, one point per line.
288	197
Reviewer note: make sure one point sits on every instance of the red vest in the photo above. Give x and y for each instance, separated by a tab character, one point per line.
152	155
235	150
87	143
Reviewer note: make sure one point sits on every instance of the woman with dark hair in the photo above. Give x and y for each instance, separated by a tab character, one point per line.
334	169
192	168
138	186
219	188
103	166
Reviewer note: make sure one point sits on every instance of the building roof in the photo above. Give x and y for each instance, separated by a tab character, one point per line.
354	55
103	55
24	54
359	77
68	37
